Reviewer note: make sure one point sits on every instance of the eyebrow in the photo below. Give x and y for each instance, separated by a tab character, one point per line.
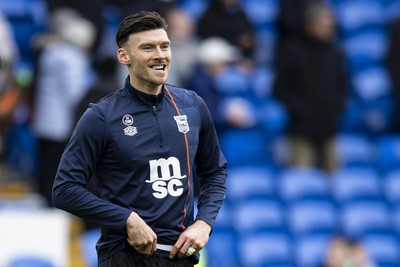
154	43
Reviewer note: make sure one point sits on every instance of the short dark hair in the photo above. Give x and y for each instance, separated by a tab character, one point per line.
142	21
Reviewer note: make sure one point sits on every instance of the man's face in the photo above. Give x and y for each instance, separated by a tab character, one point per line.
147	55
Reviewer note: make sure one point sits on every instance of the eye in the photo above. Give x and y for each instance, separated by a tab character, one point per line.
165	47
147	48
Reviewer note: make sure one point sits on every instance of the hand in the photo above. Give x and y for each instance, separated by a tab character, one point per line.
140	236
195	236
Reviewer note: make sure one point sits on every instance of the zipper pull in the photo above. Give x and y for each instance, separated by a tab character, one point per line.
154	110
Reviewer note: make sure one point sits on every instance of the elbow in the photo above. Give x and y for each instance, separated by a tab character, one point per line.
56	198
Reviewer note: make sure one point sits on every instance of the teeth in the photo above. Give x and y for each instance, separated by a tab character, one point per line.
158	67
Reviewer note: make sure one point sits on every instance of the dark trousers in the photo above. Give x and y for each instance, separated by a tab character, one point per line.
129	257
49	157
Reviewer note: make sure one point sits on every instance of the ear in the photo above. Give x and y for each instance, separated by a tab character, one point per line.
123	56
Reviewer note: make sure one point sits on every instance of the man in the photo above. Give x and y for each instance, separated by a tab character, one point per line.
141	143
311	83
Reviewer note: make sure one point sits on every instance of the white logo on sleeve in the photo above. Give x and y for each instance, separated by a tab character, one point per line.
165	175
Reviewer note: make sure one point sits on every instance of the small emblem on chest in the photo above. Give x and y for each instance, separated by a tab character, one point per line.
128	121
181	122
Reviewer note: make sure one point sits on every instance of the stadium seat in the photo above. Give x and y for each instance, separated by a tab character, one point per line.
365	217
221	248
388	152
294	184
258	215
249	182
311	250
261	12
383	249
357	14
391	187
265	249
30	261
354	150
88	246
245	147
372	83
355	184
312	217
371	43
224	218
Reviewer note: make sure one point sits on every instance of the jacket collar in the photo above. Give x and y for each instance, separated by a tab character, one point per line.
139	96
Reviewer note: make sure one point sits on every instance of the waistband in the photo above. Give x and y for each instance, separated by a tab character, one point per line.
164	247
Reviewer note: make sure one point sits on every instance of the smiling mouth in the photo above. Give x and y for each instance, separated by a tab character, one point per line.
159	68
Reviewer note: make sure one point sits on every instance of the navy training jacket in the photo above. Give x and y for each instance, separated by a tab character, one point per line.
141	148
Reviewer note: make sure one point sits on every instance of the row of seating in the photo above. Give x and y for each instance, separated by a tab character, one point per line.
289	218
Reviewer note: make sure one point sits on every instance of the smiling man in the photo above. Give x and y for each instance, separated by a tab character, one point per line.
141	144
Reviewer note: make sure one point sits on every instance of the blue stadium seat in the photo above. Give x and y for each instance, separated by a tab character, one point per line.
371	43
354	150
224	218
27	18
372	83
355	184
249	182
245	147
311	250
383	249
365	217
273	117
30	261
391	187
88	246
258	215
261	249
261	12
312	217
294	184
357	14
388	152
221	248
262	80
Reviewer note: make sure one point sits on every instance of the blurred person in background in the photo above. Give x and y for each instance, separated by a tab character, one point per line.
91	10
62	80
393	63
344	252
227	19
10	91
214	56
311	83
184	44
291	16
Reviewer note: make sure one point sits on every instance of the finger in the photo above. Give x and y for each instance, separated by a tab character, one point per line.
154	247
190	251
184	249
176	247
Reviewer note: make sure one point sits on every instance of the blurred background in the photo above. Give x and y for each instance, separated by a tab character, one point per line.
305	95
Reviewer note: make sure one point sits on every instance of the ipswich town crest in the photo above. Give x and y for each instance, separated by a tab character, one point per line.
181	122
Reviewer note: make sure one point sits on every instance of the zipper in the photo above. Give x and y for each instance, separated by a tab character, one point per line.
154	109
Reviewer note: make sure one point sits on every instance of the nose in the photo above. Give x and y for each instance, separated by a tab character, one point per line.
159	53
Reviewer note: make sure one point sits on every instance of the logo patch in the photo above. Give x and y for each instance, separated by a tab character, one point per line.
181	122
165	177
128	121
130	131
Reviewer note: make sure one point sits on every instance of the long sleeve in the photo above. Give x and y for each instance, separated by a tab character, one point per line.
77	165
211	168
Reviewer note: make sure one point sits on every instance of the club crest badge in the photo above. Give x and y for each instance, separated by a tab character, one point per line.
181	122
128	121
